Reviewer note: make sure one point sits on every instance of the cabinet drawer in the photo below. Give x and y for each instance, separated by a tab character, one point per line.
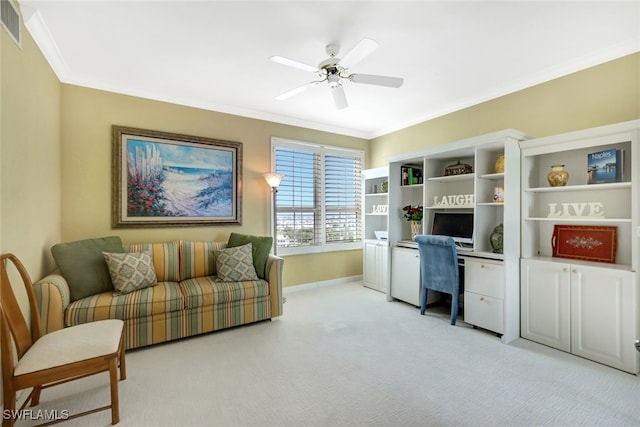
484	277
484	312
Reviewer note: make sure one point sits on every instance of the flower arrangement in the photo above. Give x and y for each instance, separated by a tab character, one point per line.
413	213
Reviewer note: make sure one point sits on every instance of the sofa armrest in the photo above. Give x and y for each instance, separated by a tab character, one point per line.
274	276
53	297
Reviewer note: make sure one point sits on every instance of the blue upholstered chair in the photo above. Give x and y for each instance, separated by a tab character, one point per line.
439	269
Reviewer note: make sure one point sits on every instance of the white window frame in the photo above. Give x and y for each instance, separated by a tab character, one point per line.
323	246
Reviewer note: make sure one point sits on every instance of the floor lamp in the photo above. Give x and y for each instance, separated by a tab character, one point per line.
274	179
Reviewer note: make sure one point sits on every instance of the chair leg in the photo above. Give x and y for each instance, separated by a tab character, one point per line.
423	300
454	308
122	363
35	395
113	379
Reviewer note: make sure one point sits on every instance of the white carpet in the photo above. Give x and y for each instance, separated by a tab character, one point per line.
344	356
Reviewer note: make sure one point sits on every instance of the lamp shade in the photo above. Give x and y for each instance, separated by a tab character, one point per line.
273	179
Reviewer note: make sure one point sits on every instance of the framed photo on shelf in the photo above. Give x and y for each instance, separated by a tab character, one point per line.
162	179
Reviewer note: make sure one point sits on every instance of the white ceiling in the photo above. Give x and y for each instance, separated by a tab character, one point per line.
215	54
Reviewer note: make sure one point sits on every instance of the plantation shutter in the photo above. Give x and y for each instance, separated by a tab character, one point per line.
299	204
343	195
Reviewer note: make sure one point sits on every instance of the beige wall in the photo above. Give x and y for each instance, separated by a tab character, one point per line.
30	184
87	116
608	93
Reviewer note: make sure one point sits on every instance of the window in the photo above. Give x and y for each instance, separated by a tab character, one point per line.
318	202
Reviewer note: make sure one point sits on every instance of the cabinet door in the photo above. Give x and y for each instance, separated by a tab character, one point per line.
603	316
369	271
382	256
546	303
376	265
405	275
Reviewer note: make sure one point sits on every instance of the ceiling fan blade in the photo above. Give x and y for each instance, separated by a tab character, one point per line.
296	91
372	79
295	64
339	97
360	51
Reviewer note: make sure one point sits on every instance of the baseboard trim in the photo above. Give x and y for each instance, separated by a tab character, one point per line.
314	285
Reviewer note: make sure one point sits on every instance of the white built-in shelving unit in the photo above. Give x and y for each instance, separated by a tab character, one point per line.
376	249
492	296
584	307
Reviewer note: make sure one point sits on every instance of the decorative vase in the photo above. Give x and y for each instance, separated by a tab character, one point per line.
384	186
496	239
498	194
558	177
499	167
416	228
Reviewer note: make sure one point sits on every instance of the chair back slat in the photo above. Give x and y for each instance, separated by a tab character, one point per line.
6	349
12	314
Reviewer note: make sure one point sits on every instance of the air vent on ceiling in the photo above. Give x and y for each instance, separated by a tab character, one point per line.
10	19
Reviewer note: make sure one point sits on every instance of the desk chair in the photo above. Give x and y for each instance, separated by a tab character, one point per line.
57	357
439	269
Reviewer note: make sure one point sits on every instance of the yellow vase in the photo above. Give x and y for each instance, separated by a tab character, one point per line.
416	228
499	167
558	177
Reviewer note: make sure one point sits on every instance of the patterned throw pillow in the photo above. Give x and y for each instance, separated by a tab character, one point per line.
235	264
130	271
260	250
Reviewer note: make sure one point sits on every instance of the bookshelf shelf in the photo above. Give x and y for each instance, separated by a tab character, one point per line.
493	176
452	178
579	220
584	187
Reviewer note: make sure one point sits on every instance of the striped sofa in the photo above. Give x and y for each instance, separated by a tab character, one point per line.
187	300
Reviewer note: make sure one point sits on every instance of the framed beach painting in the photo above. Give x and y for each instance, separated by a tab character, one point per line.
163	179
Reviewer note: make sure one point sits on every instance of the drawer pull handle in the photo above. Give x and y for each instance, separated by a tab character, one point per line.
481	265
481	298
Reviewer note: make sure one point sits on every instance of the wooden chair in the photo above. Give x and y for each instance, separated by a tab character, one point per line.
55	358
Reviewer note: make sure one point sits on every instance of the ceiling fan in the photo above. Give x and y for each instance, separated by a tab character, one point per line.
333	69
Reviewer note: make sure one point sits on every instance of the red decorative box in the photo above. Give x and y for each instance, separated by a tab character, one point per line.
585	242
